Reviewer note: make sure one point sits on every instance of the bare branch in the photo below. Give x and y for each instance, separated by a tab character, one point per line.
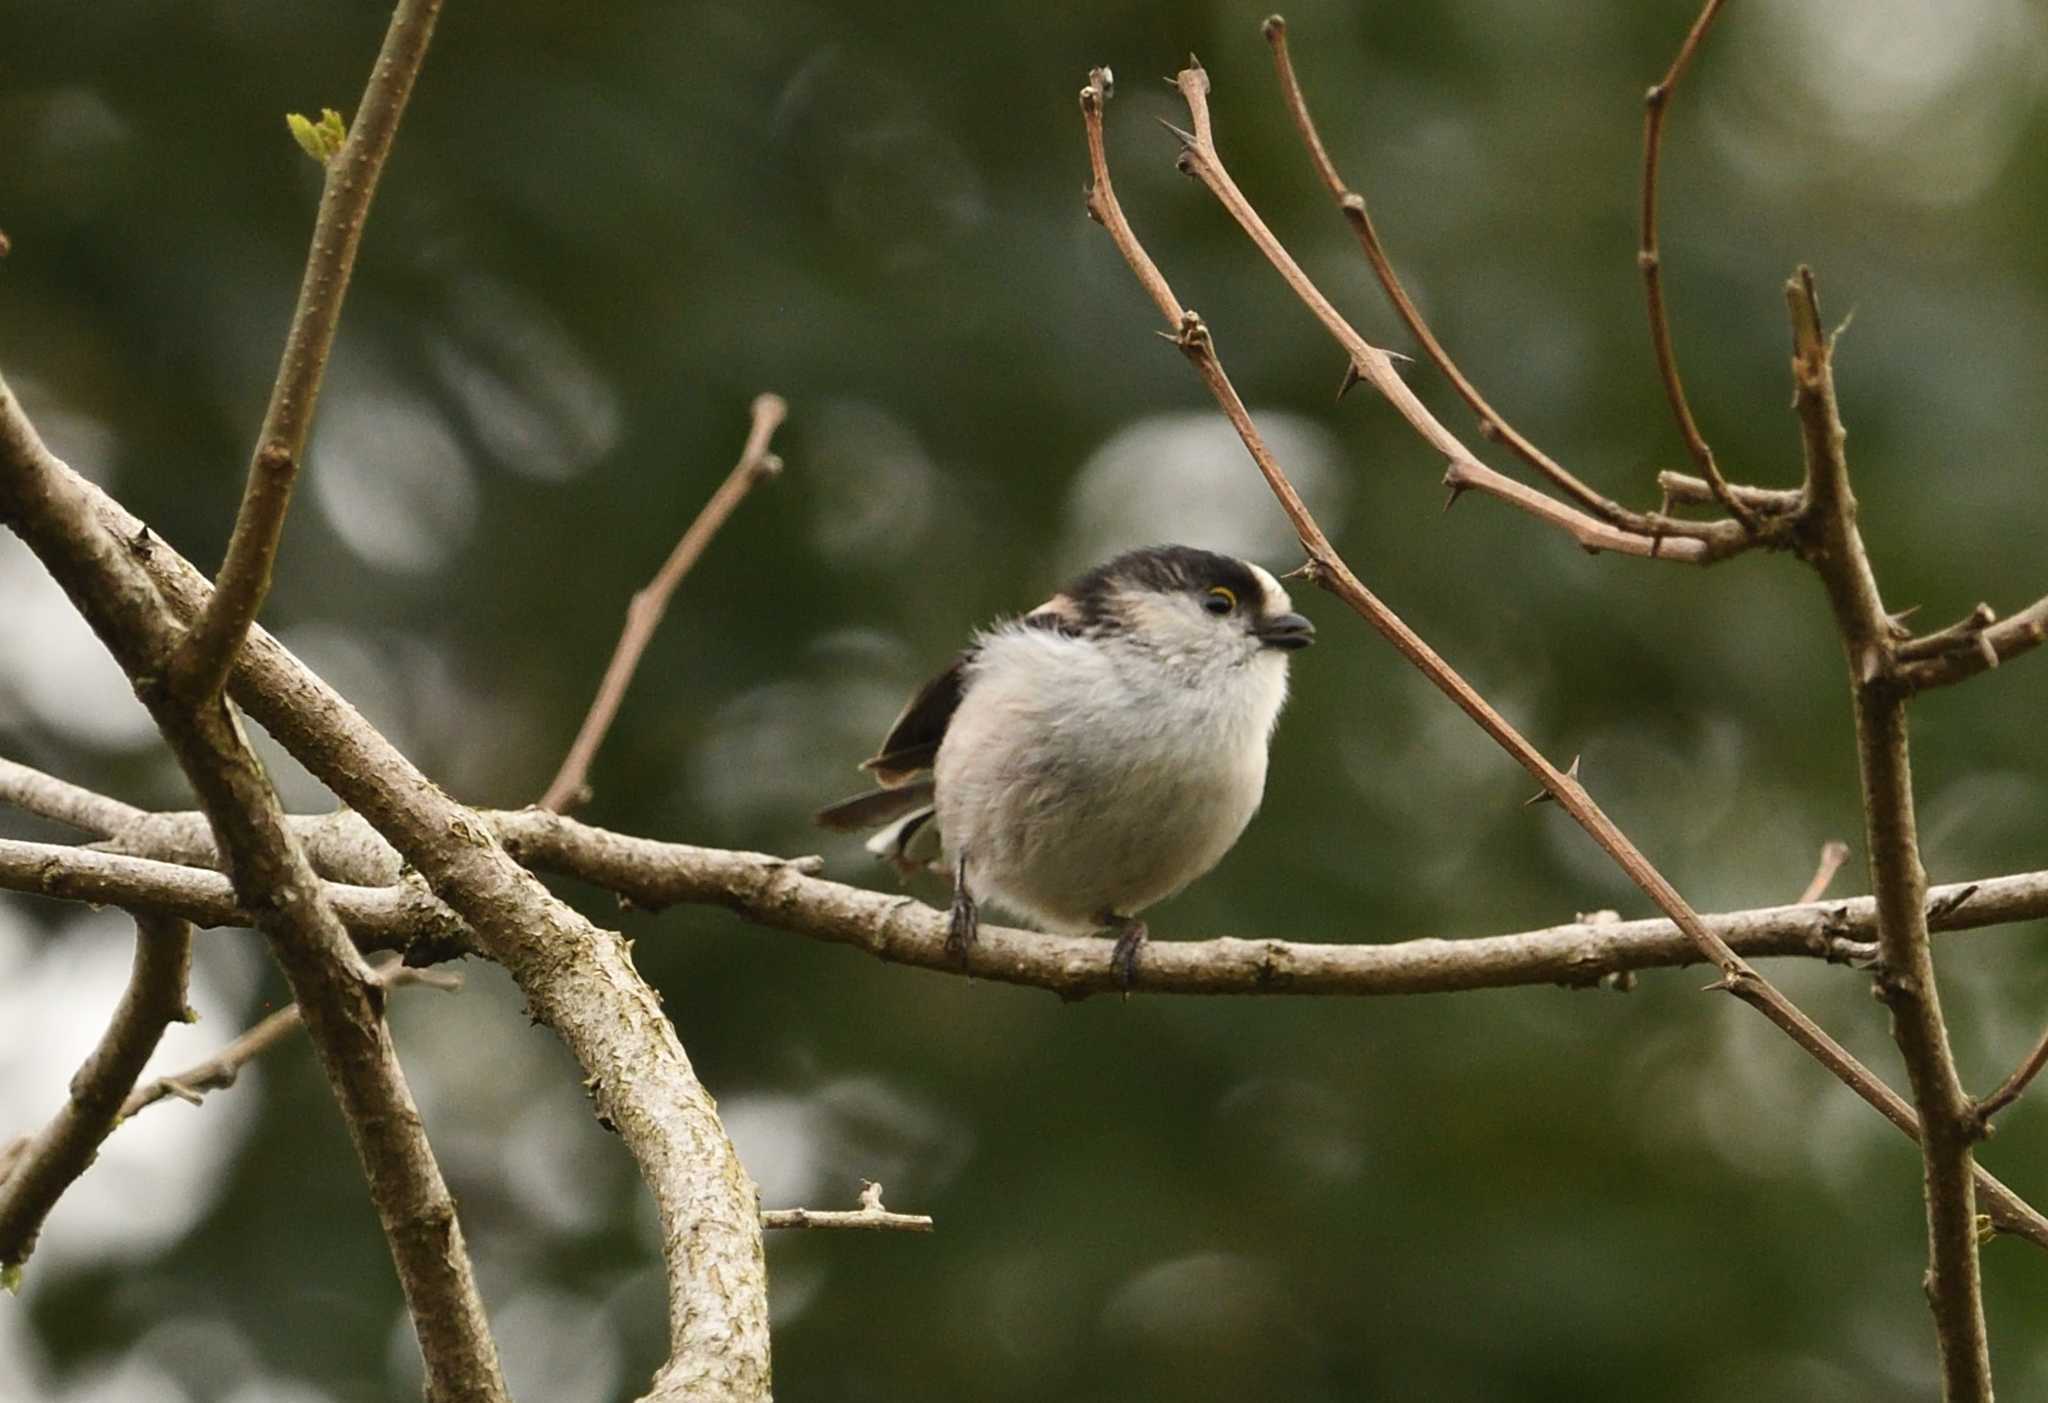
2009	1090
200	665
1833	545
784	894
48	797
1723	537
1656	102
643	615
223	1068
1328	569
577	979
1833	854
49	1164
1368	362
1682	489
871	1216
377	918
1994	644
53	511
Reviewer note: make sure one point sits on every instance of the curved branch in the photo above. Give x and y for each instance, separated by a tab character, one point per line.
50	1162
1723	537
1656	102
577	979
1367	362
52	510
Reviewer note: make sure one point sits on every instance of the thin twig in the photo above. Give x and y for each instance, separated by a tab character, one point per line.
200	666
221	1070
871	1216
1833	853
643	614
1367	362
1724	538
1328	569
1833	545
1656	102
51	1162
2009	1090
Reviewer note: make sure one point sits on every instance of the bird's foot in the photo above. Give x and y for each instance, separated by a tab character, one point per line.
1123	958
963	919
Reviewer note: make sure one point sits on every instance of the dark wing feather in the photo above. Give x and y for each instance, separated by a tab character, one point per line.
913	741
874	808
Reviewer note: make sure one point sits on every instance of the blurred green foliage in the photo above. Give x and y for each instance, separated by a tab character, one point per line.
604	231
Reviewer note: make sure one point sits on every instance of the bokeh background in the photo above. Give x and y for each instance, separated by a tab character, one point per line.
605	229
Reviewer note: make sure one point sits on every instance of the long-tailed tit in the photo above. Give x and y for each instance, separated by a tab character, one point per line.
1090	759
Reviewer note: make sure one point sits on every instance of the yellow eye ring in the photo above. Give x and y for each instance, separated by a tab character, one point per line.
1219	600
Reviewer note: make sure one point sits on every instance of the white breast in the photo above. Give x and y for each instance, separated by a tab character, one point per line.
1082	778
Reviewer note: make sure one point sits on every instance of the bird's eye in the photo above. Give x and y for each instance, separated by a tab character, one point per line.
1219	601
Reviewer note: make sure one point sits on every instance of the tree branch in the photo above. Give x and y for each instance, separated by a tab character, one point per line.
48	797
200	665
1833	545
870	1216
52	1161
1328	569
783	893
1367	362
643	614
2009	1090
1656	102
577	979
223	1068
50	508
1723	538
1993	644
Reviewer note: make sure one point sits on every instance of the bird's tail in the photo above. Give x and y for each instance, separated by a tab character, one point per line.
909	841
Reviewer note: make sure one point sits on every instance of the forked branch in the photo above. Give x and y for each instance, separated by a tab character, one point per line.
1327	569
1723	538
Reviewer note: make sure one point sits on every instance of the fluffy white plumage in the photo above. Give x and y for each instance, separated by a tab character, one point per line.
1092	758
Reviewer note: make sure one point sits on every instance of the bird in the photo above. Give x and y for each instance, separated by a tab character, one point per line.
1084	761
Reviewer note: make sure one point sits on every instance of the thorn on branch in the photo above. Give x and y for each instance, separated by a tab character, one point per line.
1544	796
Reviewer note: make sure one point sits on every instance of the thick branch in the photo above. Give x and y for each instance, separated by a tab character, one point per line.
201	664
643	615
153	1000
1723	538
1329	570
53	512
1834	546
577	979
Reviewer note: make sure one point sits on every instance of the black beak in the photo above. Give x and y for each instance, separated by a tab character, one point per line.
1289	631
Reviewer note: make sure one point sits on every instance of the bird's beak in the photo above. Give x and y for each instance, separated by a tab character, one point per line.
1289	631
